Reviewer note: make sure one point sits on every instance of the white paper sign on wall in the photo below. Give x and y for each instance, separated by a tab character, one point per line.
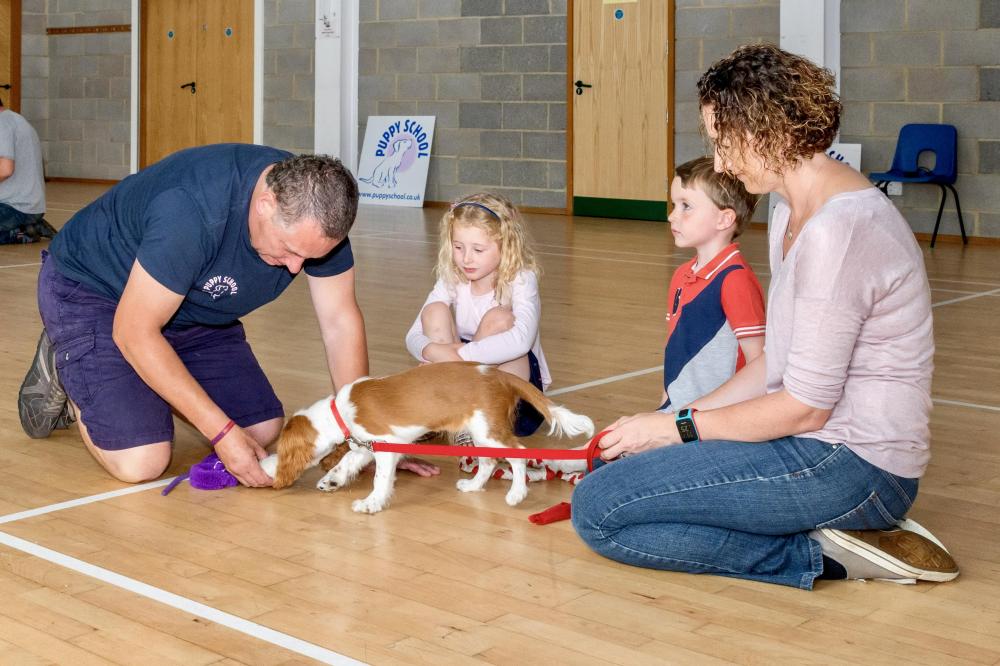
392	169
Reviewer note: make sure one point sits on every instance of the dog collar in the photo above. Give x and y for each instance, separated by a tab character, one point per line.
348	437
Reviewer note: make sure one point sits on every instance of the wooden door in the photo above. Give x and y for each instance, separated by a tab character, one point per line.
207	43
622	130
225	71
169	52
10	53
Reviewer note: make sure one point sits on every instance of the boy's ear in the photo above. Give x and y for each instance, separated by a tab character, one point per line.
727	219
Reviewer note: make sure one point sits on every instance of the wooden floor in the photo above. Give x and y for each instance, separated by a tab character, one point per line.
441	577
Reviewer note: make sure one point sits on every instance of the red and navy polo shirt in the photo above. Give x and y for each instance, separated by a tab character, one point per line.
707	314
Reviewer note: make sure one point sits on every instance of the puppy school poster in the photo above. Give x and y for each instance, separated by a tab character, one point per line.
392	170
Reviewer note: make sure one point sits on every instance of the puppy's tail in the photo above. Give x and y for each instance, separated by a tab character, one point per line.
561	420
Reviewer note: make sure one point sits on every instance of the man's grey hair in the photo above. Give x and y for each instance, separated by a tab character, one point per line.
315	186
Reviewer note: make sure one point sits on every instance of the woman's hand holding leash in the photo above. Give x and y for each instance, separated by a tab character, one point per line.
638	433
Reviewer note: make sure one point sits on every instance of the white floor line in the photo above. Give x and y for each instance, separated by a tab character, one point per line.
954	291
37	263
966	298
90	499
971	405
981	284
182	604
606	380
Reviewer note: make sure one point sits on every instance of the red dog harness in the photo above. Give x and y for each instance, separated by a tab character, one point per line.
555	513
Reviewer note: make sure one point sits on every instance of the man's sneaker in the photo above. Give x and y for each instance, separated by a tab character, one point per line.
895	554
42	400
45	230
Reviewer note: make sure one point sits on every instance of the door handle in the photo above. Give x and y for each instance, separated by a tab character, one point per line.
191	86
5	86
580	85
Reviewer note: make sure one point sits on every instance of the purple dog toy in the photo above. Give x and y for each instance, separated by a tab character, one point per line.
209	474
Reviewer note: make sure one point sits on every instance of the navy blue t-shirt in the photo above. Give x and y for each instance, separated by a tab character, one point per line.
186	219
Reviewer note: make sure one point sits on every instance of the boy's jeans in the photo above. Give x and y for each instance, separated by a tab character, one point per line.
735	508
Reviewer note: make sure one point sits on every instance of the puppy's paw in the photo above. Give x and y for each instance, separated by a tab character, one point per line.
270	465
327	485
515	496
468	485
367	505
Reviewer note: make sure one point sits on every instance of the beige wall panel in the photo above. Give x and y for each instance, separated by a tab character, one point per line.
169	44
225	71
620	139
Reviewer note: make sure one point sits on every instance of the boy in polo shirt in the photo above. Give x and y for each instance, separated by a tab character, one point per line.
715	315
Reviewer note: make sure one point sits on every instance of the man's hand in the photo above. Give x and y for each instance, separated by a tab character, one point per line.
241	454
635	434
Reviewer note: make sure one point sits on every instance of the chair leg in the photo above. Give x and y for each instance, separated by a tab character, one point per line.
937	222
958	207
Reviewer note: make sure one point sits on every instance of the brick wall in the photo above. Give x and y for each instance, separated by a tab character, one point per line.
88	123
927	61
289	34
493	72
75	88
35	68
704	32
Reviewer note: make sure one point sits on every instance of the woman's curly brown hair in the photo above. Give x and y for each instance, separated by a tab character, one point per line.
779	104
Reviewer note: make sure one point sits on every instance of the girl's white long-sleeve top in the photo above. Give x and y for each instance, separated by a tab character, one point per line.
469	310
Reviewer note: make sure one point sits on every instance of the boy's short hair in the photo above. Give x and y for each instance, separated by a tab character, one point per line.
724	190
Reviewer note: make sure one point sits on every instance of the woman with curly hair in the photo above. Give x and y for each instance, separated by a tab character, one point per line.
804	464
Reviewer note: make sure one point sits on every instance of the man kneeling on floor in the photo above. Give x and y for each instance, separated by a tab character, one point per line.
143	289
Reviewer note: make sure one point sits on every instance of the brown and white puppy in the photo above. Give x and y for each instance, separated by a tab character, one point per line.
441	397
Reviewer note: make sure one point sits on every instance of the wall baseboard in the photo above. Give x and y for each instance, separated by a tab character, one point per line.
628	209
85	181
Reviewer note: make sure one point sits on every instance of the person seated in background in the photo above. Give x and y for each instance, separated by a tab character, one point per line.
22	183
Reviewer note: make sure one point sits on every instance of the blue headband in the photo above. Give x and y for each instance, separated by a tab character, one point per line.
477	205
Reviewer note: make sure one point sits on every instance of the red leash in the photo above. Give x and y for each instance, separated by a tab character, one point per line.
553	514
587	454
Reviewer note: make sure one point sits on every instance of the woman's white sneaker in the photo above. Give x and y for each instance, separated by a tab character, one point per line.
895	554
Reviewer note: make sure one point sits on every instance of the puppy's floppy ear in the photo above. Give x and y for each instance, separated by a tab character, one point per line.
333	457
296	447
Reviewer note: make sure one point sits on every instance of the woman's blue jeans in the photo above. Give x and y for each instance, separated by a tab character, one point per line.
735	508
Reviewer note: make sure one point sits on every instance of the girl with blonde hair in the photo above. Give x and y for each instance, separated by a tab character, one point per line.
485	305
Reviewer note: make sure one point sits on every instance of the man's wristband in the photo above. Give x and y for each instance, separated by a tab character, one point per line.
685	425
222	433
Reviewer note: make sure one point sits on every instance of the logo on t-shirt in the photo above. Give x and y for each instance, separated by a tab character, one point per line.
220	285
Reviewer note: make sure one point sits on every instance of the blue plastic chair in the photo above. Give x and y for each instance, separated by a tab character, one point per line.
914	139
